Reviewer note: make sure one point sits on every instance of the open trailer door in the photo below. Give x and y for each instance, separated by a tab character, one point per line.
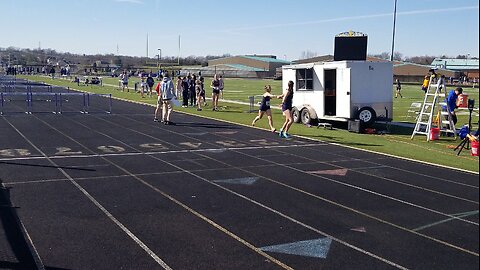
343	93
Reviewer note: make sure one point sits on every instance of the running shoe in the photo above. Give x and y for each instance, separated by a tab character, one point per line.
286	135
155	120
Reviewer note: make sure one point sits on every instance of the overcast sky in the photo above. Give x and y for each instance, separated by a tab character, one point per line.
214	27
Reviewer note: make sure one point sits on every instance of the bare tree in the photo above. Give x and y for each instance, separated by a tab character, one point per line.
308	54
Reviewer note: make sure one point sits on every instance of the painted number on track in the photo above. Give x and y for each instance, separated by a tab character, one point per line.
111	149
191	145
14	152
66	151
154	146
263	142
231	144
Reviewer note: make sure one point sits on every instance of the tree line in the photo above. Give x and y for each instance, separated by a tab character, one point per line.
29	57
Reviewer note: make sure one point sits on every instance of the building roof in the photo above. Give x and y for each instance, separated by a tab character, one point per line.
266	59
243	67
323	58
329	58
456	64
412	69
233	67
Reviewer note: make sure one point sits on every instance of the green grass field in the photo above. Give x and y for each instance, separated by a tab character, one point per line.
396	143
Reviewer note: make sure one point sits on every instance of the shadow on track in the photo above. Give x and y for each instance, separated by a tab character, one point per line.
46	166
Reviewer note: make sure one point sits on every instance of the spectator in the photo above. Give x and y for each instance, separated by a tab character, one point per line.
185	90
166	92
222	84
452	102
426	83
143	87
150	82
215	92
52	72
179	86
198	92
202	94
192	94
124	81
399	89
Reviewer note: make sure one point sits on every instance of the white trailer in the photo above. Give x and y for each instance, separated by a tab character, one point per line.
341	90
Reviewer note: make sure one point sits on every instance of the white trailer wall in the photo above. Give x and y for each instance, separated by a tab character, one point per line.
372	86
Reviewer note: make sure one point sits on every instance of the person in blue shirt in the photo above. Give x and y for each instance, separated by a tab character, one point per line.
452	102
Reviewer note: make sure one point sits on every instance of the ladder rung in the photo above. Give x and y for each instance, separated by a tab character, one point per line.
422	123
445	113
441	95
427	103
443	103
421	132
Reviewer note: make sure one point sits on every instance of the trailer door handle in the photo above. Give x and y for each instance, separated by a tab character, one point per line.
348	93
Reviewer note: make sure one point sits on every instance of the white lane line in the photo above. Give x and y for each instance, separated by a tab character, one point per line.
184	206
463	215
359	170
33	250
99	206
266	207
350	209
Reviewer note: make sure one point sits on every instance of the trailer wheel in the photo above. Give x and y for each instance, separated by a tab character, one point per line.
306	117
296	115
367	115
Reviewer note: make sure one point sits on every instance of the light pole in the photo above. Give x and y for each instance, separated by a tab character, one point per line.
394	24
159	56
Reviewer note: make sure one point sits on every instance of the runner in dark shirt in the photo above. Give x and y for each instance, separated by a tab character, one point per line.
265	108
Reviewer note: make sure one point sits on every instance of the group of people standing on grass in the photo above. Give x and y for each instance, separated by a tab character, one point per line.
287	106
192	90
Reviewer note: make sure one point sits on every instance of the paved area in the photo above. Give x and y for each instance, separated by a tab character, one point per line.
118	191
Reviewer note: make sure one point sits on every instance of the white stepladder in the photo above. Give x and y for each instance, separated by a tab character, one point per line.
431	104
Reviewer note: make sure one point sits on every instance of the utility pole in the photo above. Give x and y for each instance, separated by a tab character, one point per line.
394	25
179	47
159	55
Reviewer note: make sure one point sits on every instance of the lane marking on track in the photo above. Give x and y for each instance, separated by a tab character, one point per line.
268	208
335	203
96	203
296	136
460	215
166	152
184	206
